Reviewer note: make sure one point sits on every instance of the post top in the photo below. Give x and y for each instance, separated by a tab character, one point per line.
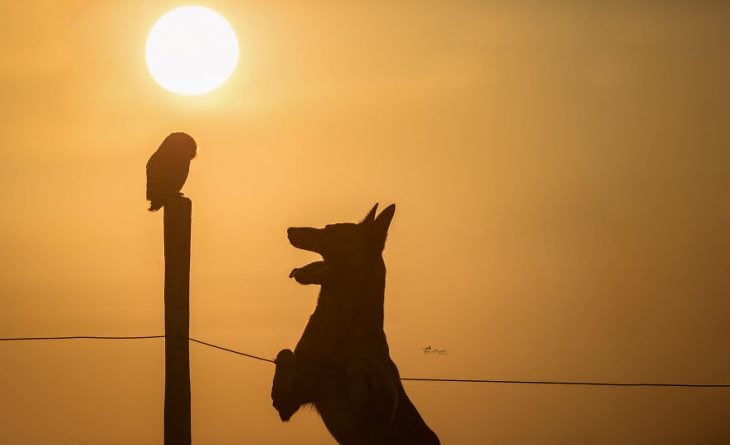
177	200
177	204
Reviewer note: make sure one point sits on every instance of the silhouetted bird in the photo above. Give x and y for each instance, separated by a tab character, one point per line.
168	168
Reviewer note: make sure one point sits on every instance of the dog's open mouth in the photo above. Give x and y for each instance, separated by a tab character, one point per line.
312	273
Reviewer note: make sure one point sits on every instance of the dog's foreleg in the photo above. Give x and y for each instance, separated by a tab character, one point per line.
371	389
283	390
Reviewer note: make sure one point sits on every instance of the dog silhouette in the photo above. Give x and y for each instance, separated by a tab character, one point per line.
341	364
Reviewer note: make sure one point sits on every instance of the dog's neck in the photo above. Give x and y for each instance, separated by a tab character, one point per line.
350	297
350	306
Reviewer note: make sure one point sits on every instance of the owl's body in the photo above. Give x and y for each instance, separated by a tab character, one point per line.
168	167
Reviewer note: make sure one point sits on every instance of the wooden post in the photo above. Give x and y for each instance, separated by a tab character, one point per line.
177	218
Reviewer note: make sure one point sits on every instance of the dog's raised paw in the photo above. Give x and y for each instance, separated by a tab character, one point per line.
283	385
284	358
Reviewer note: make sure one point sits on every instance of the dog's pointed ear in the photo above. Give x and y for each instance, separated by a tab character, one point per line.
382	222
370	218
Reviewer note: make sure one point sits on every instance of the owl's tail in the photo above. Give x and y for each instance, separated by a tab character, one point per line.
155	206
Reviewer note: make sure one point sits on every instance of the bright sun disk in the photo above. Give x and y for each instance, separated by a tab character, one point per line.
191	50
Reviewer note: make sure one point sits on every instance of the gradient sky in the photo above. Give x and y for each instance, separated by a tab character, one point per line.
561	175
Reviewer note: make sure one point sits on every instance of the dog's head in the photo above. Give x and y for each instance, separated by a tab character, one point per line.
344	247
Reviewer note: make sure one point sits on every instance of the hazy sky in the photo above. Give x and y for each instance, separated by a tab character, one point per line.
561	175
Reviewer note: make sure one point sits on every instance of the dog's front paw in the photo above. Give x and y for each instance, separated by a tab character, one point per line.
283	386
284	357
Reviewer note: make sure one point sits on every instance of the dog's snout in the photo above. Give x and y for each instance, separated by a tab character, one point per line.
304	238
295	234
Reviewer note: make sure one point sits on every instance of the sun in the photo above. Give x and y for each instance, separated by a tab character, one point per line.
191	50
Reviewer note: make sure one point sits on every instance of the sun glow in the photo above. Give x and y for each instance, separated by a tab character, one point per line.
191	50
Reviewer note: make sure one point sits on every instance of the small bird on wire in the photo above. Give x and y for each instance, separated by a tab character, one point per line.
168	167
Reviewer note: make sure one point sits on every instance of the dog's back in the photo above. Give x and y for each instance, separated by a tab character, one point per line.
342	356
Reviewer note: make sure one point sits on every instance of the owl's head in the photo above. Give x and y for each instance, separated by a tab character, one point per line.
181	143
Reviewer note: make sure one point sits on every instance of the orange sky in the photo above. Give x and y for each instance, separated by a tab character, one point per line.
561	176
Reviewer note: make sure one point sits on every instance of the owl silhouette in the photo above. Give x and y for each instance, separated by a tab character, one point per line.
167	168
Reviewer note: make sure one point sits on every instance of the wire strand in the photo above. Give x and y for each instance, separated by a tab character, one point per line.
412	379
549	382
84	337
256	357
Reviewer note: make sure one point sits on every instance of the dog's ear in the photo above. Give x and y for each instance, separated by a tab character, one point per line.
382	222
370	218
